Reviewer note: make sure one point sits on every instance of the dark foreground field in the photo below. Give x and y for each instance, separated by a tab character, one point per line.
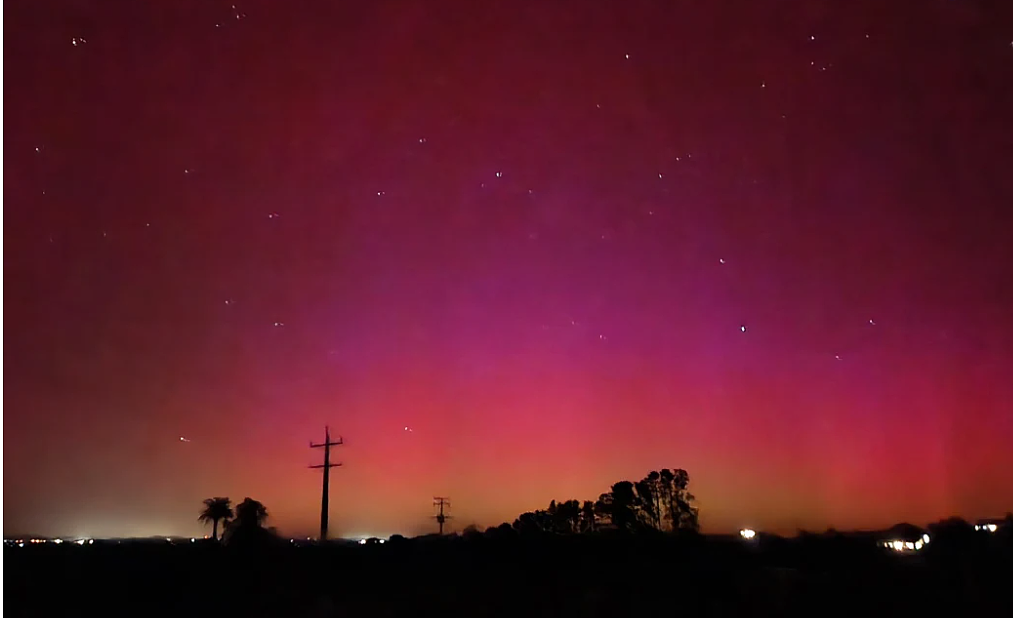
514	577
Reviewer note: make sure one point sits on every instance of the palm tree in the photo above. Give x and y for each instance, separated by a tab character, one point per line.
215	510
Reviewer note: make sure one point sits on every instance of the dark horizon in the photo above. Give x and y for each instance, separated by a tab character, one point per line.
513	252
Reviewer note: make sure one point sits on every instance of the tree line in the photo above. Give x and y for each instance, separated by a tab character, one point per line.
660	502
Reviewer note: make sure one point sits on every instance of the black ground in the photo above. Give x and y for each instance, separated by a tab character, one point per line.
511	576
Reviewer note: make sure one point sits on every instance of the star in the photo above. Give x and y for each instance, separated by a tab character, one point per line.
742	328
182	439
279	324
721	260
872	322
499	174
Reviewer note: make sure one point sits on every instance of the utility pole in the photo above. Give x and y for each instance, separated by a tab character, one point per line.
327	465
441	517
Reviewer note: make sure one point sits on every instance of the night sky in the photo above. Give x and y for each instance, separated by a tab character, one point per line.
512	251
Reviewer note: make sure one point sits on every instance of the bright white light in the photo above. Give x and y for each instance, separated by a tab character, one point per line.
382	541
898	545
909	545
747	533
362	541
80	541
168	540
193	540
919	544
91	541
992	527
925	538
21	544
58	541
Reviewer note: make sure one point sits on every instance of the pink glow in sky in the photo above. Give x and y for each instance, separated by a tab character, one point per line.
564	244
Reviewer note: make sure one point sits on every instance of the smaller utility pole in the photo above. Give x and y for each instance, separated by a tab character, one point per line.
327	465
442	517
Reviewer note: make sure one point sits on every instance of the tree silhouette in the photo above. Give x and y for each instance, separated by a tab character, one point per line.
676	500
531	523
588	520
566	519
215	510
659	502
247	529
250	514
624	506
649	501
